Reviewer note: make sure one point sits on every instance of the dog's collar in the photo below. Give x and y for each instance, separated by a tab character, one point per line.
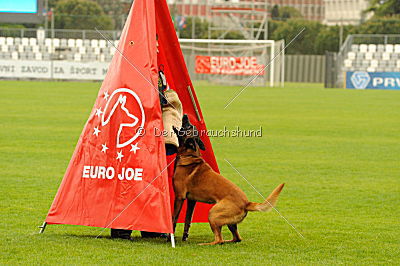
185	160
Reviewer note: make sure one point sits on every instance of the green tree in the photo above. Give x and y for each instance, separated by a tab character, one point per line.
284	13
287	12
383	8
116	9
275	12
53	3
81	14
305	42
377	25
200	29
329	36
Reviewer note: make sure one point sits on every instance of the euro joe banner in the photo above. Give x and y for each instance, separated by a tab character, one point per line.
228	65
118	175
373	80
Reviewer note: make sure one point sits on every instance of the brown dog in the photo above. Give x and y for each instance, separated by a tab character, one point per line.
195	180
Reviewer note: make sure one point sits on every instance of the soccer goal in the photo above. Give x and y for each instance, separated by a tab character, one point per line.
235	62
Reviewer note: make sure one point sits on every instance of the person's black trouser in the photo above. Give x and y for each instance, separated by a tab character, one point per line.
126	234
121	233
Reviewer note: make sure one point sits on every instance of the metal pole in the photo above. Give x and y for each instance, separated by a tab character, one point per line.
52	23
283	64
193	20
46	23
272	73
42	227
194	103
341	33
173	240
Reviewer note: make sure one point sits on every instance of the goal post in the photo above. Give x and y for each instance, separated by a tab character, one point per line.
235	62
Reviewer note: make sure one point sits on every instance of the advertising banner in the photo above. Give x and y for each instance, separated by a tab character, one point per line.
373	80
53	69
25	69
228	65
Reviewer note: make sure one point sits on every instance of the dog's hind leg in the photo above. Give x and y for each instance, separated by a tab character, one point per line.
216	218
235	233
188	220
217	234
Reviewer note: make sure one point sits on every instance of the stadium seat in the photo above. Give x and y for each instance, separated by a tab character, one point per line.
350	55
32	41
354	47
386	56
389	48
381	48
4	48
47	42
77	57
63	43
10	41
369	56
56	42
14	56
79	42
374	63
2	40
25	41
397	48
363	48
348	63
102	44
71	42
372	48
94	43
38	56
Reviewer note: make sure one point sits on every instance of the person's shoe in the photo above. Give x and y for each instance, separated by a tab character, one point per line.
152	235
121	233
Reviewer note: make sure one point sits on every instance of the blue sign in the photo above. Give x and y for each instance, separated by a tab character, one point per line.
20	6
373	80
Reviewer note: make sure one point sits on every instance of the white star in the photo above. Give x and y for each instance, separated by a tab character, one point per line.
96	131
134	148
105	148
99	112
106	95
119	155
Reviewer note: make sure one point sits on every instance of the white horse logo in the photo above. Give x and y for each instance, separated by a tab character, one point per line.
129	119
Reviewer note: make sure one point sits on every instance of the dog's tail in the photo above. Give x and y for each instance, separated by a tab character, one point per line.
268	204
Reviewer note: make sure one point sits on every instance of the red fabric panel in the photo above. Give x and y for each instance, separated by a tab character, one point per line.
171	59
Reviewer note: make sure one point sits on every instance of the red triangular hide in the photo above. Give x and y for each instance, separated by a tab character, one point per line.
126	102
119	138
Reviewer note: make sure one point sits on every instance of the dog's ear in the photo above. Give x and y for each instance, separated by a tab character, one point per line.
201	144
179	135
190	143
175	130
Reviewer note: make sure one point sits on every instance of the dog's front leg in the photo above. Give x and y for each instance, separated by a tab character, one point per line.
188	220
178	203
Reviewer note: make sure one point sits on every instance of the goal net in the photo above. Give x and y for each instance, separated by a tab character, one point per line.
235	62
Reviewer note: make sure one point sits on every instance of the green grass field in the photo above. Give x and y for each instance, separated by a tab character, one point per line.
337	150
